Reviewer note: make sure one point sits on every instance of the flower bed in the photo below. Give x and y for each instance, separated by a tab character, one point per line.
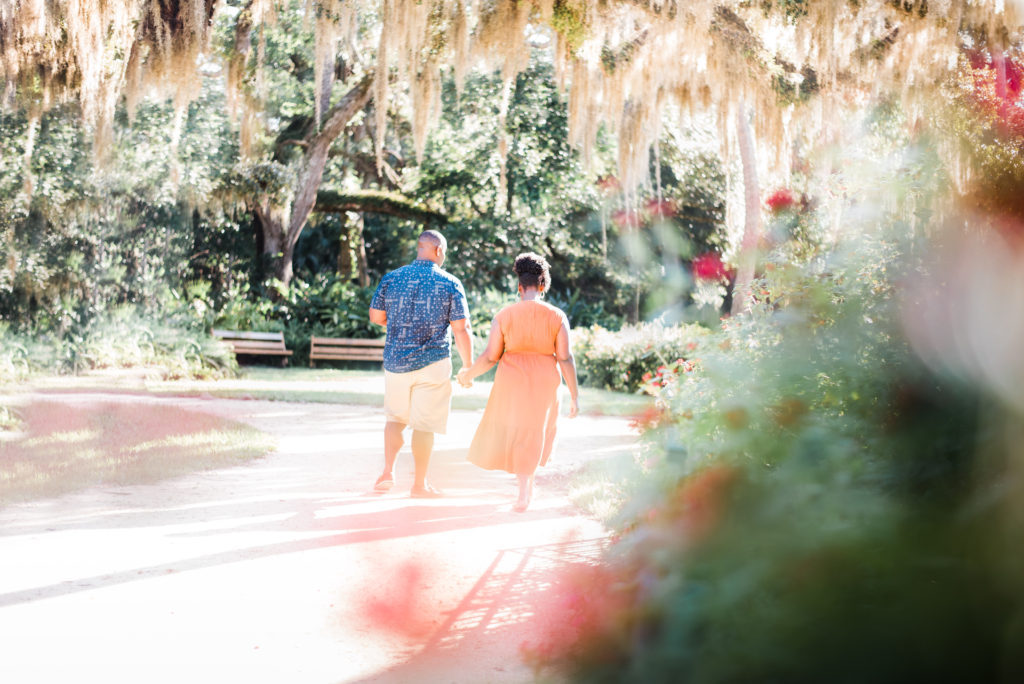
628	359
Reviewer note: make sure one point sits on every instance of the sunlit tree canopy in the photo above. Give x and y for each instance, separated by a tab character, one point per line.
623	64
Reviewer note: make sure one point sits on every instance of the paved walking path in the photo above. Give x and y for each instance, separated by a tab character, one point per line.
289	569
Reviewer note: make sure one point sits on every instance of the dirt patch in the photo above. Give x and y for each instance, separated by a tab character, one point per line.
66	447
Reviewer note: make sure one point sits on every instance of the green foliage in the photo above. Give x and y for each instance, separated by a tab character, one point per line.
607	255
325	307
569	19
815	504
90	238
792	9
15	357
983	112
173	345
626	360
808	506
177	346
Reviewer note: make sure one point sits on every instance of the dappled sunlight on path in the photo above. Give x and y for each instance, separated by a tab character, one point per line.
289	568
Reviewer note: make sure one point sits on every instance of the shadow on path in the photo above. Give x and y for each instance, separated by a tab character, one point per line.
408	521
520	587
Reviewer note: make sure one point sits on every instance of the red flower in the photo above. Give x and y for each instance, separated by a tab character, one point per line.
626	218
781	200
608	184
651	417
996	91
709	266
661	208
700	501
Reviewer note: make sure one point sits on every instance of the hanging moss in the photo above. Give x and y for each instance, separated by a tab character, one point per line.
569	20
793	9
622	62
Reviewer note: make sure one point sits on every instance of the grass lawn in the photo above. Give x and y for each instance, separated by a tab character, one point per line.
364	387
63	448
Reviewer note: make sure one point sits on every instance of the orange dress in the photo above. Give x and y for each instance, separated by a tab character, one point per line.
517	431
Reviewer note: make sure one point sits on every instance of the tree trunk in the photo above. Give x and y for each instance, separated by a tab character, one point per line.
752	214
281	227
275	245
283	270
360	247
345	248
315	158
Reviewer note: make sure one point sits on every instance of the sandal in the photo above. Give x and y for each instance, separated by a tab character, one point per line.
384	483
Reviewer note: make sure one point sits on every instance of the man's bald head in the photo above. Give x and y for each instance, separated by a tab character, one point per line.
432	246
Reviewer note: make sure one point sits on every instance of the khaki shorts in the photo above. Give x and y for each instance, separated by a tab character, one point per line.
420	398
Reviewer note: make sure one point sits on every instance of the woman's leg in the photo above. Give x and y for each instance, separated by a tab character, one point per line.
525	492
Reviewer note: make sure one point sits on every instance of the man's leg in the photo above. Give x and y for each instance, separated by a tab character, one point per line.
422	446
428	413
393	441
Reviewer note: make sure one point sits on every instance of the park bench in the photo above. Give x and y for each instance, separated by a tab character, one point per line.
344	349
255	343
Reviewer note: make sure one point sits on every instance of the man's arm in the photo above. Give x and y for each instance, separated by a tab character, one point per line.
463	340
378	317
488	357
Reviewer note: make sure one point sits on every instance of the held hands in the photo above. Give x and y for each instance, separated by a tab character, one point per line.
462	377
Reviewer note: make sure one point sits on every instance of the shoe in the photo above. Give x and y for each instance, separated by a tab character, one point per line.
384	483
425	492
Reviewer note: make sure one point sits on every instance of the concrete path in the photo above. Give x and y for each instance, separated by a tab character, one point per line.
289	569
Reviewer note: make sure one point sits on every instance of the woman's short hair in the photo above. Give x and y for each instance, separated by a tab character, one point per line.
533	271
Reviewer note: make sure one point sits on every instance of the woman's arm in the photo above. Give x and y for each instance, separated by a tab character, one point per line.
488	357
567	362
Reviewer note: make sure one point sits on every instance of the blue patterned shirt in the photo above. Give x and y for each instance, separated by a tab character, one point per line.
420	300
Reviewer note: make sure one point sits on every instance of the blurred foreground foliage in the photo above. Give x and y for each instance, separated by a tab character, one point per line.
816	501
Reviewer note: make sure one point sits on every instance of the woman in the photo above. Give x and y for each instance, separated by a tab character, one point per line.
529	341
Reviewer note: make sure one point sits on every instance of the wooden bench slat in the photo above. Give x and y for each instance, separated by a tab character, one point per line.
345	342
349	355
260	352
345	349
244	335
258	347
243	342
255	343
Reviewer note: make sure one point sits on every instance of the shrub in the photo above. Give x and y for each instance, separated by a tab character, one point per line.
326	306
176	345
14	357
625	360
814	504
126	337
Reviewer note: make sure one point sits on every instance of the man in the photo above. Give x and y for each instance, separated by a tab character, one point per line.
417	304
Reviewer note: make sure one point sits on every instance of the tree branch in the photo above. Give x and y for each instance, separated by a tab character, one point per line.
315	157
376	202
